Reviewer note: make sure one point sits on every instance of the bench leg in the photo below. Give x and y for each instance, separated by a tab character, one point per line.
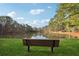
52	49
28	48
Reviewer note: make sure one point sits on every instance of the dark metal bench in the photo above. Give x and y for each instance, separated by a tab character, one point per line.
40	42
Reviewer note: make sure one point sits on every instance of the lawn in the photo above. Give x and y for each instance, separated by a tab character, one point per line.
14	47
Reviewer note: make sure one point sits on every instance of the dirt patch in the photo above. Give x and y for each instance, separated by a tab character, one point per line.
74	34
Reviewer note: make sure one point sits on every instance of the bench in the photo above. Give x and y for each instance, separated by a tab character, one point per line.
40	42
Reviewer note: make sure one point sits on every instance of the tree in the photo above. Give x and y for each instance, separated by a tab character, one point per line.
66	18
0	29
10	27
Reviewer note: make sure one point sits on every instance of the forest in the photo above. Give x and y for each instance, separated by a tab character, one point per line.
66	18
10	27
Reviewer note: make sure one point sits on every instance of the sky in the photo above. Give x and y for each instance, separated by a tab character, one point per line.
33	14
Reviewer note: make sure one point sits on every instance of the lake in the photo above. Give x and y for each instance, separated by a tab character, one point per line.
39	36
42	36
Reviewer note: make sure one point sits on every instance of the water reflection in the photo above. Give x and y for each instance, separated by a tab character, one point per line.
38	36
42	36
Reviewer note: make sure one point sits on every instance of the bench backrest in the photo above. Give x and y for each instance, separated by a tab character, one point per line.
31	42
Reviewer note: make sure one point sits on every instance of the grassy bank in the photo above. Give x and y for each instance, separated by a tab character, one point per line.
14	47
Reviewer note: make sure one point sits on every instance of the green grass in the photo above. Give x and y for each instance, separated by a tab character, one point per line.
14	47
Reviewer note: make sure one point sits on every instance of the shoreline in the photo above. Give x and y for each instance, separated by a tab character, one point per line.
74	34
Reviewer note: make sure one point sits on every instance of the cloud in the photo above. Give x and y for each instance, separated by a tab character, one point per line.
12	14
45	21
36	11
21	18
34	22
49	7
37	23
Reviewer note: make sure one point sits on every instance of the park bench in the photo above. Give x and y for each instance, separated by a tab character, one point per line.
40	42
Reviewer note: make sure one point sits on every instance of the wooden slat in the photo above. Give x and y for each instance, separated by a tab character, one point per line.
31	42
37	42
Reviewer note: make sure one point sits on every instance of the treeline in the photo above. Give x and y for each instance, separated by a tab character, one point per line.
66	18
10	27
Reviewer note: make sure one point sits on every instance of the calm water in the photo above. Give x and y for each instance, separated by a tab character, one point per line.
41	36
38	36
